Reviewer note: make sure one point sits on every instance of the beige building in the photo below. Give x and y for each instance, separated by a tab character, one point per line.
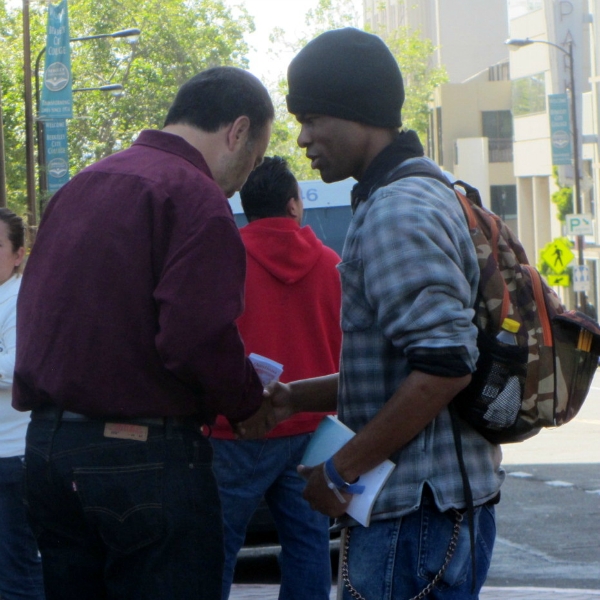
468	34
537	71
471	135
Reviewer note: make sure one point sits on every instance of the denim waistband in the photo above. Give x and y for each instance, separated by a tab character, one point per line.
53	413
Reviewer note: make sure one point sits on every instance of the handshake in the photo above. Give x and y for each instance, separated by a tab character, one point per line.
282	400
275	406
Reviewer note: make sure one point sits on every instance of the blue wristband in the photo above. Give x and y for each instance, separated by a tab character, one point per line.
338	482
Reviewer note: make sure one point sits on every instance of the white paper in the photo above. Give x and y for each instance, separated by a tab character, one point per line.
268	370
329	437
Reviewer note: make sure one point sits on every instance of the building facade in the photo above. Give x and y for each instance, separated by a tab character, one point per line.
538	71
491	125
471	136
468	34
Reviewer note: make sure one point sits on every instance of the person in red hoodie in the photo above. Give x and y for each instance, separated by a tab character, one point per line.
292	316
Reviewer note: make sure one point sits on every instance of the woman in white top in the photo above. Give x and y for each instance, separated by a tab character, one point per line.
20	565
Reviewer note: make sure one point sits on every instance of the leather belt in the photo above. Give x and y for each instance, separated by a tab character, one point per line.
52	413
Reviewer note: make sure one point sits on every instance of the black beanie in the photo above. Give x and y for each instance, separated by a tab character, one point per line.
349	74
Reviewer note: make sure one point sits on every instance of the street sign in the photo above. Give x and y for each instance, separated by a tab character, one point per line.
581	279
562	280
57	153
557	255
580	224
560	129
56	100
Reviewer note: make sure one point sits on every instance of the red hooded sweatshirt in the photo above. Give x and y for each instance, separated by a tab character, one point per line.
292	308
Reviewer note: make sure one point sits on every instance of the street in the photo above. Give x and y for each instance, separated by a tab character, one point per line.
548	519
549	516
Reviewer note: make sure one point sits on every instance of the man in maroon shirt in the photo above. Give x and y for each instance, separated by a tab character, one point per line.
127	343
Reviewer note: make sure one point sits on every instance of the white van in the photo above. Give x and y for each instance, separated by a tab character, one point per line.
326	210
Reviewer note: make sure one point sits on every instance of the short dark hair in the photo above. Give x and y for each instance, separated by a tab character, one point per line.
268	189
16	228
218	96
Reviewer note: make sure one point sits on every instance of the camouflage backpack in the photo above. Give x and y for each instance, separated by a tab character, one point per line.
556	355
541	381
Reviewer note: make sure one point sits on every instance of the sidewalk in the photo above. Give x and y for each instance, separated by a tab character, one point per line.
270	592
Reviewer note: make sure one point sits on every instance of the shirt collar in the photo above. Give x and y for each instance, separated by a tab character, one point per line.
175	144
405	146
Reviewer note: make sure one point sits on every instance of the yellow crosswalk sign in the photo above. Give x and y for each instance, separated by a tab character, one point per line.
557	255
562	280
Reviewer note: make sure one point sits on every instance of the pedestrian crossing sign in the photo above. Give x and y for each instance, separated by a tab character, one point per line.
557	255
562	280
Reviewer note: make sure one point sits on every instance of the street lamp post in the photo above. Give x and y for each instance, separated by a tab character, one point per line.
519	43
110	87
132	35
29	142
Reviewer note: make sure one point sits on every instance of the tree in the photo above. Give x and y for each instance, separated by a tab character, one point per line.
413	54
563	198
179	38
13	108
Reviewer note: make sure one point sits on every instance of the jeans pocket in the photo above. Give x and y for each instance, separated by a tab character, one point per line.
124	504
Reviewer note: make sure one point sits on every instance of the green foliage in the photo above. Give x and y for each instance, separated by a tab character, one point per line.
13	108
178	39
563	198
420	79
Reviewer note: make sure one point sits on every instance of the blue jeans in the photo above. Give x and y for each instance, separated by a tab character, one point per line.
397	558
119	518
248	470
20	564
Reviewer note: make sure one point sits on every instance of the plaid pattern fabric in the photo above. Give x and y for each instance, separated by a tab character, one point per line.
409	279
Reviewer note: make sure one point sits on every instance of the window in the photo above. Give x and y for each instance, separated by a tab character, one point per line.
529	95
499	72
504	201
497	127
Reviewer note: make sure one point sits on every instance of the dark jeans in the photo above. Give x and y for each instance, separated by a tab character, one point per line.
124	519
20	565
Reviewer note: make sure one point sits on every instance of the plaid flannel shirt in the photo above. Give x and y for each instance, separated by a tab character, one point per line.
409	278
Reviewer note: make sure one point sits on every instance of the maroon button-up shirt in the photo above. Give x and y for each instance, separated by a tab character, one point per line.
129	299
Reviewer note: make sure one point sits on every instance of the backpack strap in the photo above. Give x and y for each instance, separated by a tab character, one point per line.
540	300
467	201
468	493
471	197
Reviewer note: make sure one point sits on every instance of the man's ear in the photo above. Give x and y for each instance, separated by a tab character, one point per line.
292	208
238	132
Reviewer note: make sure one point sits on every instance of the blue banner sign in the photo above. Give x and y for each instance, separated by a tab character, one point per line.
57	97
560	129
57	153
